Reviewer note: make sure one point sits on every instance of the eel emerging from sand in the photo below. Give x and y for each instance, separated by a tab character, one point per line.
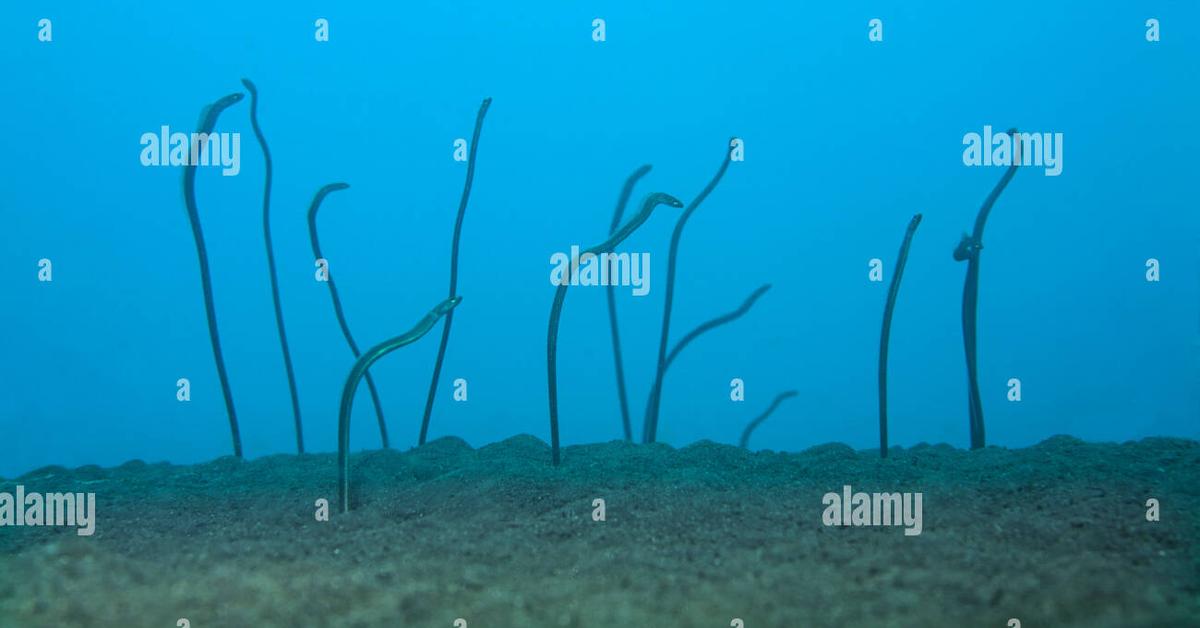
458	222
622	397
744	443
208	121
968	249
893	290
653	200
650	422
283	342
337	302
358	371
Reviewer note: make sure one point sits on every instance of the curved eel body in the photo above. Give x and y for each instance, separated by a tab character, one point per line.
208	121
358	371
650	422
968	249
893	290
337	302
287	354
622	397
745	440
708	326
458	222
653	200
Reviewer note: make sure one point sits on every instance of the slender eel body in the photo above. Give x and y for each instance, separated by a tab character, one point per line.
968	249
893	290
287	354
622	396
337	301
208	121
357	372
650	422
745	441
717	322
560	294
708	326
458	222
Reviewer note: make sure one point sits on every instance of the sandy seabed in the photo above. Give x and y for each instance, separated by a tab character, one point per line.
1052	535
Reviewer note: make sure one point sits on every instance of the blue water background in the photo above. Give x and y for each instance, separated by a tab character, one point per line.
845	140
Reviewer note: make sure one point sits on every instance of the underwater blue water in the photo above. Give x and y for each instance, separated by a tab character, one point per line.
844	138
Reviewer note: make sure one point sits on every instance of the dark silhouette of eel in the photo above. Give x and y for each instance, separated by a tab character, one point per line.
287	354
208	120
653	200
622	201
968	249
893	290
337	302
357	372
458	222
710	325
745	441
650	425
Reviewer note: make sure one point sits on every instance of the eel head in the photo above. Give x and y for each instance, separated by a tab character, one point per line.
662	198
445	306
967	248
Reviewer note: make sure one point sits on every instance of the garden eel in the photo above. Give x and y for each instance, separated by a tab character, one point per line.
287	354
717	322
893	290
712	324
337	302
968	249
652	200
744	443
358	371
650	426
622	201
208	120
462	210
